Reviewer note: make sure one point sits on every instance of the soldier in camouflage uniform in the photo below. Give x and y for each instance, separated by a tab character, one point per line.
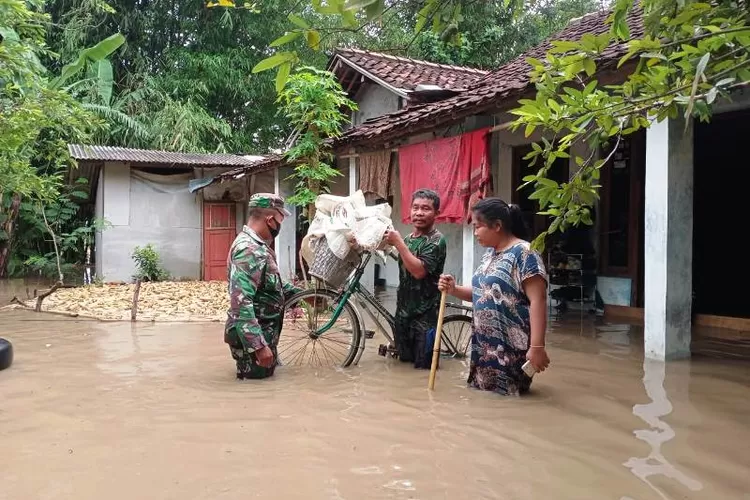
421	261
256	291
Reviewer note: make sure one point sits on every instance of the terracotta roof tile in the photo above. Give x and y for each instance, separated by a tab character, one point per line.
405	74
487	93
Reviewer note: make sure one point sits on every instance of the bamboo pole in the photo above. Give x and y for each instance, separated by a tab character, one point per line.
436	347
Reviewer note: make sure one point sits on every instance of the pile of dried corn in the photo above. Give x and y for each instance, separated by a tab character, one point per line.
161	301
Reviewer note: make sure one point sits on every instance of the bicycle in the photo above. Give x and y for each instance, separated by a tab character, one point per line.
340	341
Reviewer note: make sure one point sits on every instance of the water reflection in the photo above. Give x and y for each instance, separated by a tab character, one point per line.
660	432
129	350
616	339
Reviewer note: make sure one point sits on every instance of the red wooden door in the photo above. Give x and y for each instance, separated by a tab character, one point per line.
219	231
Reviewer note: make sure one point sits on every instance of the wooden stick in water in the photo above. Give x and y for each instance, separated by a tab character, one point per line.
136	294
436	347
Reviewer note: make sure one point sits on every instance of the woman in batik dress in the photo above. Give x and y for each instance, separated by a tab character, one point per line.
509	296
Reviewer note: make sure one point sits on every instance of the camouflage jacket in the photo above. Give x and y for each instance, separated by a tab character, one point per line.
256	293
415	296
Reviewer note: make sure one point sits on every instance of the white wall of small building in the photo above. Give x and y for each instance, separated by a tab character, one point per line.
168	218
373	101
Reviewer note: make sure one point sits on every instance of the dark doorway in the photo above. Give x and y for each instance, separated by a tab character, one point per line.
721	177
559	172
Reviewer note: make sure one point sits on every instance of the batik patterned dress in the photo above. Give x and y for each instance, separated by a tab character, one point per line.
501	326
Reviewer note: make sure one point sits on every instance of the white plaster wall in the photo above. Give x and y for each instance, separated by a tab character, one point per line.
99	214
374	100
340	185
171	221
264	181
286	241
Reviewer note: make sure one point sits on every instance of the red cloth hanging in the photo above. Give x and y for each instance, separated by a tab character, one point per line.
457	168
433	165
475	149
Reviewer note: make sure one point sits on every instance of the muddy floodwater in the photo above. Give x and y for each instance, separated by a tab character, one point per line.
112	411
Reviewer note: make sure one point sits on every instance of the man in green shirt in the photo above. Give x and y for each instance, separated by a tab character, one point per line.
421	261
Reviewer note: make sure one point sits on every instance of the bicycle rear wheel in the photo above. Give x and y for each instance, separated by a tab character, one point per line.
456	335
301	341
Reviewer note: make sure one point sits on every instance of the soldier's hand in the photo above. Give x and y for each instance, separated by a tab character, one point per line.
264	357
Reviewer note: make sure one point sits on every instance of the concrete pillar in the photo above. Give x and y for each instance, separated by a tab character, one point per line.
286	241
668	240
467	245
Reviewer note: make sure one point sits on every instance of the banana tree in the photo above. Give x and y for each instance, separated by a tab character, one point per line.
36	112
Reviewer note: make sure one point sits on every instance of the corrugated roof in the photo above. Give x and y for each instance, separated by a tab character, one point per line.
164	158
489	93
405	74
269	162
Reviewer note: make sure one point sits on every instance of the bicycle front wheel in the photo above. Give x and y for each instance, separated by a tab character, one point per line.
456	335
318	330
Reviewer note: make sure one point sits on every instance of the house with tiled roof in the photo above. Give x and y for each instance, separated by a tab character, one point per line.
650	255
401	75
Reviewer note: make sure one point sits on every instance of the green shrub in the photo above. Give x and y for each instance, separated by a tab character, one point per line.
148	266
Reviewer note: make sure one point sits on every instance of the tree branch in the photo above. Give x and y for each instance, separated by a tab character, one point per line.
698	38
57	250
46	294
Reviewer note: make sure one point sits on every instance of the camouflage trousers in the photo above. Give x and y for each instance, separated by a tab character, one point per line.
247	364
411	338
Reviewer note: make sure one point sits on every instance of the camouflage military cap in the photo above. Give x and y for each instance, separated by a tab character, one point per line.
268	200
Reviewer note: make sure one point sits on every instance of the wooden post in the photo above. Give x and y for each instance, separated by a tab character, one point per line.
436	347
136	293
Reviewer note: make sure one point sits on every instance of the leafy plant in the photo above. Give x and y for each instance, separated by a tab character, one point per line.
37	116
148	265
691	55
313	102
54	230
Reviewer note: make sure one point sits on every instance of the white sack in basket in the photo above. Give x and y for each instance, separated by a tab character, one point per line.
382	210
369	232
343	222
337	217
326	203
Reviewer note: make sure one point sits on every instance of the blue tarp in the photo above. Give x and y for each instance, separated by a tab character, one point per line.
198	184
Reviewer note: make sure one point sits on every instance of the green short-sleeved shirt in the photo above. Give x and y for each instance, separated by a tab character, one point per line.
415	296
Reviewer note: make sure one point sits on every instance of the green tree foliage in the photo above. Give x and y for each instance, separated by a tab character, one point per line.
493	33
691	56
185	79
183	82
462	32
314	104
38	115
61	219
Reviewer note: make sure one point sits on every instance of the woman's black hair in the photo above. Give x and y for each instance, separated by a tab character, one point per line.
494	211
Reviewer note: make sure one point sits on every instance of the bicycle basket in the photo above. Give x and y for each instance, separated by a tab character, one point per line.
329	268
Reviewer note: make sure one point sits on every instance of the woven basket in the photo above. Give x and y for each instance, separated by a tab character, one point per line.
329	268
